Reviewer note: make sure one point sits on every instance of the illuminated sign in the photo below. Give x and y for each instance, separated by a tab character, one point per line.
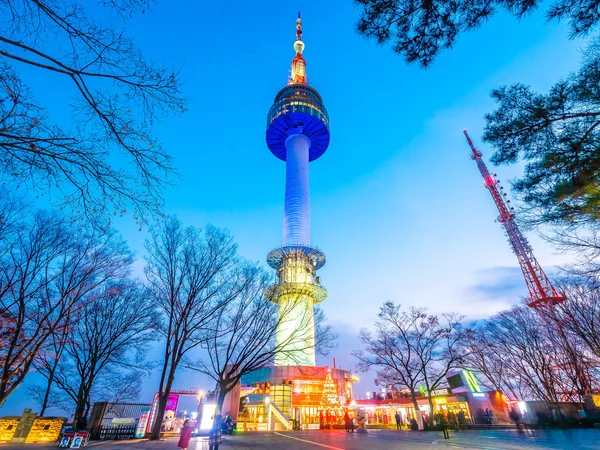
434	392
471	381
437	392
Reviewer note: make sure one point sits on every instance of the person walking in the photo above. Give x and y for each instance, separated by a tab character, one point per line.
398	421
185	435
462	421
215	437
443	422
347	421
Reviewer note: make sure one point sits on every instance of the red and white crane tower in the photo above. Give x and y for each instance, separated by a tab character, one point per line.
541	291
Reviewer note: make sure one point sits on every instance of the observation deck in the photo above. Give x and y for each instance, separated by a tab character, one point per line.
276	256
298	109
315	291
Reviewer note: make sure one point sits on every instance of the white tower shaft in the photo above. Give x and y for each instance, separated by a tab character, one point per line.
296	217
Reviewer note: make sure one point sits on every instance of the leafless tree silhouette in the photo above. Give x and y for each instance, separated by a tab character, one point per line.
102	160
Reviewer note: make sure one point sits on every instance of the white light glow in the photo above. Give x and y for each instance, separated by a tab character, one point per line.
208	414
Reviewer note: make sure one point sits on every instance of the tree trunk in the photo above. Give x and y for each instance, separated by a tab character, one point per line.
47	394
168	372
162	403
80	418
431	411
418	416
221	398
160	413
49	385
3	397
415	402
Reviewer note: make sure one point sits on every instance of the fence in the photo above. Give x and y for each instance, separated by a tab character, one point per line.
103	426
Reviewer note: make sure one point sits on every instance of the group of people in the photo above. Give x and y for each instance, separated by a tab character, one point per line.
444	421
214	439
411	423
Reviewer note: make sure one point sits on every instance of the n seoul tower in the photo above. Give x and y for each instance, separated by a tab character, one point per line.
297	133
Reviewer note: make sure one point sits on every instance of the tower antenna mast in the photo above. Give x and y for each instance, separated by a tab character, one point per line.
541	291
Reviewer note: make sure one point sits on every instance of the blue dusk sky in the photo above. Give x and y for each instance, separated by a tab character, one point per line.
398	206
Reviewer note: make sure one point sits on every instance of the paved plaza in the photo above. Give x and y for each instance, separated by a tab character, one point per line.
377	439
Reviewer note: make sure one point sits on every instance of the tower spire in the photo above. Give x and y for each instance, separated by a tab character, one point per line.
298	75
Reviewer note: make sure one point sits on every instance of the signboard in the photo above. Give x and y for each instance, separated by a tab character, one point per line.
24	426
140	430
77	441
170	412
123	421
437	392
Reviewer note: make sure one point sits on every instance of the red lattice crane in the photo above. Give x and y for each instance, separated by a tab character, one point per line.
541	291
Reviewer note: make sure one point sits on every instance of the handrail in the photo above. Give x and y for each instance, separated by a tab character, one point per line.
280	415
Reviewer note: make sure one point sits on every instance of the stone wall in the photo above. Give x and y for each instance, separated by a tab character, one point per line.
45	429
8	425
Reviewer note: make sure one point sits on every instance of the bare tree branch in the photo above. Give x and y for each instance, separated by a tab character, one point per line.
108	162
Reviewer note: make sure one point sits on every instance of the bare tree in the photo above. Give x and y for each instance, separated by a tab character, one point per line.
119	386
528	355
583	243
51	398
541	354
190	273
47	363
45	274
107	340
490	362
242	337
115	96
411	347
580	313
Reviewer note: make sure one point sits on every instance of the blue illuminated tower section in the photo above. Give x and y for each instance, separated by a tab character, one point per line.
297	133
